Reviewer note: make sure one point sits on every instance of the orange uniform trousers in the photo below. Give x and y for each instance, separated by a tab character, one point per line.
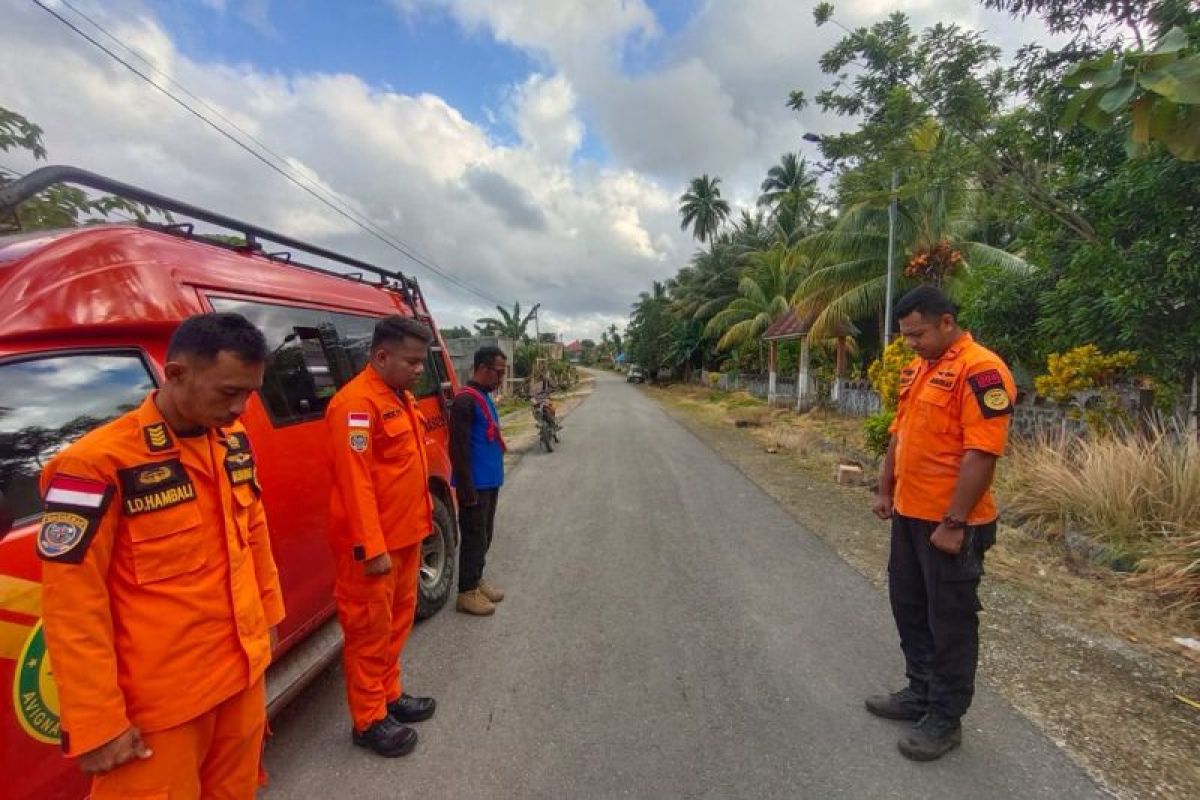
376	613
215	756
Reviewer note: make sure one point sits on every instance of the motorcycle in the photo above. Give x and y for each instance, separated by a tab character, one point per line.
547	421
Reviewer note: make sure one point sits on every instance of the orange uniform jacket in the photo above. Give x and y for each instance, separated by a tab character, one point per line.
961	402
158	582
381	496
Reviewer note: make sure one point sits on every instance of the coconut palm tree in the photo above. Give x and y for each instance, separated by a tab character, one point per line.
509	325
702	209
790	190
934	244
764	294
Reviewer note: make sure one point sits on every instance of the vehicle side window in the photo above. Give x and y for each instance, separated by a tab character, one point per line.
354	334
46	403
300	376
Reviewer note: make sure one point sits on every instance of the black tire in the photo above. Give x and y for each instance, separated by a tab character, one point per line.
439	559
545	437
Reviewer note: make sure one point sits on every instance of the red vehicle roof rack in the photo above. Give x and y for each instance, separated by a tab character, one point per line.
20	190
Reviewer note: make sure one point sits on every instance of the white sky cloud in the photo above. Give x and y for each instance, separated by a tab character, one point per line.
531	219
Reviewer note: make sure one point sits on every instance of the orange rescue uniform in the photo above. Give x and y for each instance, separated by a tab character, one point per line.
380	504
159	590
960	402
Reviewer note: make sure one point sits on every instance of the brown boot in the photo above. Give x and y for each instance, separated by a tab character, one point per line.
493	593
475	602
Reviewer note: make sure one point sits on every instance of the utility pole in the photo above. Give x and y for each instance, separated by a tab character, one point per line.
891	261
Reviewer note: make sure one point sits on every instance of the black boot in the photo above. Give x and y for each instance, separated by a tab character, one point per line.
931	738
412	709
387	738
905	705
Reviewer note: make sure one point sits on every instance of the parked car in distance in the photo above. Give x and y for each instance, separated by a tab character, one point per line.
635	374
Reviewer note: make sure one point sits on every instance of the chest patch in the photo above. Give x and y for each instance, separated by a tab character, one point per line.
151	487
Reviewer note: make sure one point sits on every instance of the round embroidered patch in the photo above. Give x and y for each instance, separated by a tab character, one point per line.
358	441
61	532
996	399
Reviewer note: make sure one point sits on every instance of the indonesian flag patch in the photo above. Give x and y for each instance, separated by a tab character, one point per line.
360	437
74	507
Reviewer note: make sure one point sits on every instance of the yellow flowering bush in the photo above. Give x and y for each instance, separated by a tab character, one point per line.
1083	369
884	372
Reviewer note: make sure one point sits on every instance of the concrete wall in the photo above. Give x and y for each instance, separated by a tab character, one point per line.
462	352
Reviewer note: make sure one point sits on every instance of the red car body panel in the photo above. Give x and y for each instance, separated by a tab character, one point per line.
124	288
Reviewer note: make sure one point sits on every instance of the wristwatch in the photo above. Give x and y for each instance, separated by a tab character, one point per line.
954	523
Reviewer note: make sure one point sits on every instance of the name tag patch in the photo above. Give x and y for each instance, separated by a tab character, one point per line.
152	487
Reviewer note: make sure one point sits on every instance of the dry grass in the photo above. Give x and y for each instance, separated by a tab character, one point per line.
1136	494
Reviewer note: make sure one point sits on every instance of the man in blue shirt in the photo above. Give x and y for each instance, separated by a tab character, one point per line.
477	457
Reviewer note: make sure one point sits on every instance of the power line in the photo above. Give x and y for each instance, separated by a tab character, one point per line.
369	228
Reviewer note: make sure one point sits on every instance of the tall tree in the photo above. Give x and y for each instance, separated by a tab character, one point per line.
764	295
790	192
934	244
59	206
702	209
510	324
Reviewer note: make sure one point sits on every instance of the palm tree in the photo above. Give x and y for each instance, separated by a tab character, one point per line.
934	227
764	295
702	209
509	325
789	184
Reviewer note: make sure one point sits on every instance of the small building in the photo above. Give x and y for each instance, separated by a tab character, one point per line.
796	325
574	352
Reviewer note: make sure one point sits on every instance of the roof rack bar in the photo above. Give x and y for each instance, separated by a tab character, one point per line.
13	194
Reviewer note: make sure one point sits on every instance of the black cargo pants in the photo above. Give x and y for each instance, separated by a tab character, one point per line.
935	602
476	524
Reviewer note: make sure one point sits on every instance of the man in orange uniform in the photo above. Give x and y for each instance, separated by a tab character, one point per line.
381	511
160	595
956	400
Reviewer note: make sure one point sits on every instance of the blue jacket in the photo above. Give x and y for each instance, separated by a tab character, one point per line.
478	464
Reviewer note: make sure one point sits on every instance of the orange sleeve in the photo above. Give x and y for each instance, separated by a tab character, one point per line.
265	571
351	447
77	618
987	407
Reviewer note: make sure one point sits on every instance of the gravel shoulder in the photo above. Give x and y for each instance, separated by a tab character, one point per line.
1086	658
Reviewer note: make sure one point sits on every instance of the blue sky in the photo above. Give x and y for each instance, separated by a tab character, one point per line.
420	51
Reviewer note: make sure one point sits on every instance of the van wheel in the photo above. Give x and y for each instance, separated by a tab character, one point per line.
438	557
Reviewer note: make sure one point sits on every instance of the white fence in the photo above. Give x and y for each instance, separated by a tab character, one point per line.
856	398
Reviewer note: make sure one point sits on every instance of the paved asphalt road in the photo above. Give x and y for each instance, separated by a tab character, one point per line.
670	632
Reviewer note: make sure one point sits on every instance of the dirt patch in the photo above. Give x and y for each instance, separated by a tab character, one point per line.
1085	656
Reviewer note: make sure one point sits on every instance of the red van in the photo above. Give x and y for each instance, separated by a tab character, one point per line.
85	316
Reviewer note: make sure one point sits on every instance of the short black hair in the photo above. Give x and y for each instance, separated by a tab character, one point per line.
930	301
206	335
486	356
397	328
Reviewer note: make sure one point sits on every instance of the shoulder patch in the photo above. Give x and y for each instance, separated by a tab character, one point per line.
239	465
358	419
988	387
157	437
151	487
236	441
74	507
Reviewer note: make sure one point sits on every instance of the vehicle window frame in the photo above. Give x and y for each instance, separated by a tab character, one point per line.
208	297
126	351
